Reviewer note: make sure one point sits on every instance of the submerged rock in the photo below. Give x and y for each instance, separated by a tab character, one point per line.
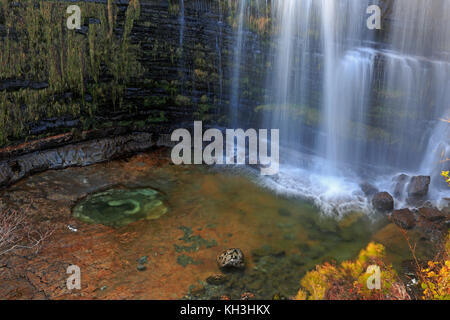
247	296
117	207
141	267
217	279
404	218
231	259
383	202
143	260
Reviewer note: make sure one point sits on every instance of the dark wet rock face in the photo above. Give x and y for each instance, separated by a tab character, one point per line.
17	84
404	218
231	259
79	154
383	202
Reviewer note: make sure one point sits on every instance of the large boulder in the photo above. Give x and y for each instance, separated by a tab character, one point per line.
418	187
383	202
404	218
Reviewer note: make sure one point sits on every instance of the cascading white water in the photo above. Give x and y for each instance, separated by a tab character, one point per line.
379	103
238	51
417	73
373	102
319	49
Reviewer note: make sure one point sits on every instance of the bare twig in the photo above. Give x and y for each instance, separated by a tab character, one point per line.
16	232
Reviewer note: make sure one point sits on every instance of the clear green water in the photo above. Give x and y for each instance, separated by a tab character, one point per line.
211	210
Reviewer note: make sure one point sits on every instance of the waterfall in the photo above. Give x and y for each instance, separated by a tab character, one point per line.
238	51
289	83
354	104
219	52
417	69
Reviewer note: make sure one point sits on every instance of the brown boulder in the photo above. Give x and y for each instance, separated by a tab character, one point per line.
432	214
383	202
404	218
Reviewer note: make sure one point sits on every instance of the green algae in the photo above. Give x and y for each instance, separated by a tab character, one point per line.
117	207
185	260
195	242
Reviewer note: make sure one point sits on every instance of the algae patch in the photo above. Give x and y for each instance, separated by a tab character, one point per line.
119	207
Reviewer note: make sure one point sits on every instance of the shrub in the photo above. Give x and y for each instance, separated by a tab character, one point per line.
435	277
349	280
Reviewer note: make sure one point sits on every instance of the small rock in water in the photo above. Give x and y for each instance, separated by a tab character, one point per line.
143	260
383	202
217	279
404	218
141	267
247	296
231	259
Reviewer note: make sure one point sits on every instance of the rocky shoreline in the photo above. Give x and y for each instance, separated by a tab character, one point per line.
420	214
68	150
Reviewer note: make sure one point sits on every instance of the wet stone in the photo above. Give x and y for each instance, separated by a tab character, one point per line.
231	259
432	214
217	279
141	267
383	202
143	260
404	218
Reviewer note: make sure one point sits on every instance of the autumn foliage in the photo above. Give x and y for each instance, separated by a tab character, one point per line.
435	277
348	281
